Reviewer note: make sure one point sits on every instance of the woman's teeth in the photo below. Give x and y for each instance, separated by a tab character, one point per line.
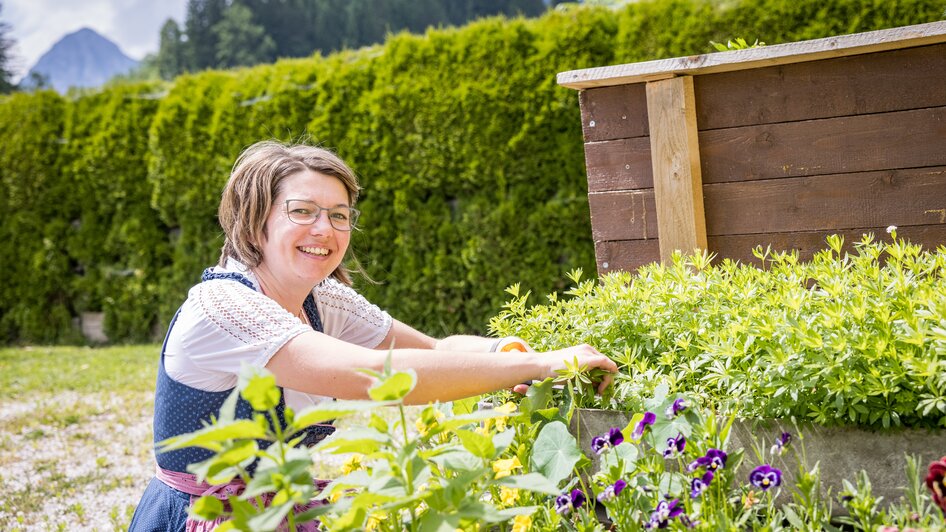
314	251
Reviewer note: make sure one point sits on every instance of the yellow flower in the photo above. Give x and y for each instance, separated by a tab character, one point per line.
507	408
422	428
374	520
353	463
503	468
508	496
521	523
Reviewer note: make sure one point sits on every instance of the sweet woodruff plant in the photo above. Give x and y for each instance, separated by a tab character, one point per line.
846	338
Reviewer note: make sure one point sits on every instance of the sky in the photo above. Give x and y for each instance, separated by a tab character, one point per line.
36	25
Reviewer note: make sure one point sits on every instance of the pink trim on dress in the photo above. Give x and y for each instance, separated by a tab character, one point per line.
188	483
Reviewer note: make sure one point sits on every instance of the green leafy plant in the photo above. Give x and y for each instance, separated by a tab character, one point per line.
845	338
738	44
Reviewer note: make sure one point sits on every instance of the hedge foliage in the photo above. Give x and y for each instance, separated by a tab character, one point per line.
470	156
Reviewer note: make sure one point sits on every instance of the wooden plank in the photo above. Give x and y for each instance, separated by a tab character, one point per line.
625	255
739	247
613	112
898	80
913	196
623	164
751	58
625	215
903	139
674	147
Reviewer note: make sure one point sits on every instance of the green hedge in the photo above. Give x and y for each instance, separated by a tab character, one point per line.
470	155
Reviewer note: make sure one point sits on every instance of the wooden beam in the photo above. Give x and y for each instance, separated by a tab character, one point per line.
779	54
675	152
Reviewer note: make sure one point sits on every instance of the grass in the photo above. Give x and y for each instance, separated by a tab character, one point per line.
30	370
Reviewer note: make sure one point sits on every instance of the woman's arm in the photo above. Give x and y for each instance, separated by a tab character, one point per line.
402	335
319	364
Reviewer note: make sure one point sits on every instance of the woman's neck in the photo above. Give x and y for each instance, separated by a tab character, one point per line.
289	296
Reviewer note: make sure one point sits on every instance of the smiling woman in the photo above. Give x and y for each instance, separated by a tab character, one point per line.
280	298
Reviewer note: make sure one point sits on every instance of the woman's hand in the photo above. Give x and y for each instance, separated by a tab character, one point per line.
585	356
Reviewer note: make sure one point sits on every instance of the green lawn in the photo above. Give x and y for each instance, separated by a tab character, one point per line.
29	370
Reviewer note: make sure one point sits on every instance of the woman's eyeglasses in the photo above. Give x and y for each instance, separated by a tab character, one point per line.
305	212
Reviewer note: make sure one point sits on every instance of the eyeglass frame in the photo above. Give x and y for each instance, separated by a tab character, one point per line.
354	214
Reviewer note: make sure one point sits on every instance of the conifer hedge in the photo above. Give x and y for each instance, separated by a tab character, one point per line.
470	157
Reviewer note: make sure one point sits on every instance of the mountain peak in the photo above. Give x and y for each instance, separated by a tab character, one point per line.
82	58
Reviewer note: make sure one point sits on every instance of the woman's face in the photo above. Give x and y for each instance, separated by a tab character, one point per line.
306	254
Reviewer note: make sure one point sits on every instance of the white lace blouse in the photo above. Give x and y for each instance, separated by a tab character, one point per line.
224	323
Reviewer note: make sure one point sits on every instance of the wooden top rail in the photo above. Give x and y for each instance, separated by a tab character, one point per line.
778	54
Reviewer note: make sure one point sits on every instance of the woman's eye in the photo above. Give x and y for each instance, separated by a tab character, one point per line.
304	212
339	215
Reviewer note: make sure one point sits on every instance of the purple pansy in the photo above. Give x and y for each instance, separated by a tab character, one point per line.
675	446
676	408
566	502
613	438
781	443
664	512
649	419
713	460
612	491
698	485
765	477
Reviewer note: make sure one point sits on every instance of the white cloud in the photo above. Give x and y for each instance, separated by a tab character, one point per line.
134	25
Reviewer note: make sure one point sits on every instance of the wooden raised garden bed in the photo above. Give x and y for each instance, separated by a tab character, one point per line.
777	145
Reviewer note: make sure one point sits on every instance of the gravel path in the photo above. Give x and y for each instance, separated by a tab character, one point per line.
80	472
79	462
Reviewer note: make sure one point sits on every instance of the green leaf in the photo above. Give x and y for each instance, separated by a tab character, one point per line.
465	406
555	452
261	392
478	444
270	518
330	410
207	508
356	440
214	436
395	387
530	481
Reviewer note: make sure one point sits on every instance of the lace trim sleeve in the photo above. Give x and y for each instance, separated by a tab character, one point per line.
348	316
248	316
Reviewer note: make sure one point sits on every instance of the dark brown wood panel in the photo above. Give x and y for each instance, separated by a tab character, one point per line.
625	215
904	139
739	247
618	112
871	199
623	164
625	255
911	78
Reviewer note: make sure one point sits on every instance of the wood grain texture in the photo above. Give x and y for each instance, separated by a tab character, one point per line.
903	139
675	153
915	196
624	215
913	78
619	165
751	58
625	255
613	112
